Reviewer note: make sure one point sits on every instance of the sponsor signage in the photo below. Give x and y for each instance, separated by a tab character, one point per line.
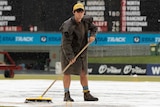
30	38
153	69
127	38
118	69
102	39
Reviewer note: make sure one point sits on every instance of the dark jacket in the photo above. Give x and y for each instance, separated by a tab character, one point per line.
74	38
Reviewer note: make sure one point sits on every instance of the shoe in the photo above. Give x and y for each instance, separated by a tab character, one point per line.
67	97
89	97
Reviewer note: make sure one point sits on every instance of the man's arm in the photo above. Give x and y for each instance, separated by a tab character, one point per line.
67	41
92	28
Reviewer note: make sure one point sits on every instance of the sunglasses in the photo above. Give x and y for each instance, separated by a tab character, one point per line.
79	10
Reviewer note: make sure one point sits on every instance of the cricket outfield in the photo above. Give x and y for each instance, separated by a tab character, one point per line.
137	78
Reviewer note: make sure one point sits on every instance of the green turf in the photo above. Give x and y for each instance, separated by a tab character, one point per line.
126	59
116	60
7	106
90	77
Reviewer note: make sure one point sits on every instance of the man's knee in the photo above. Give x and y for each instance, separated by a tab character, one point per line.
83	74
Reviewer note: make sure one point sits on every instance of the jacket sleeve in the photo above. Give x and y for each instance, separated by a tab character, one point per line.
91	26
67	41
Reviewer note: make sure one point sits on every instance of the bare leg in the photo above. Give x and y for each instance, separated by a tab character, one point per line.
83	79
66	84
66	80
84	83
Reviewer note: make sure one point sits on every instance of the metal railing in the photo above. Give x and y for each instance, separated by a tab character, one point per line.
122	50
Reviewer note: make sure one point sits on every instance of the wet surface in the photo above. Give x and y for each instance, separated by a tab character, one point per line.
110	94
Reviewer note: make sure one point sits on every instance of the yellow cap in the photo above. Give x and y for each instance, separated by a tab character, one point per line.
78	6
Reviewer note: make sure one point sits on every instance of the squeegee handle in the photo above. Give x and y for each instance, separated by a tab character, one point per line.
66	68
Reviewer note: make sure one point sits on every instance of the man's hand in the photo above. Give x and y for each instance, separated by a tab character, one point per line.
91	39
72	61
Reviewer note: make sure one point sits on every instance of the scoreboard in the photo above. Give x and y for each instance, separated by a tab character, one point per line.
108	15
140	15
34	15
126	15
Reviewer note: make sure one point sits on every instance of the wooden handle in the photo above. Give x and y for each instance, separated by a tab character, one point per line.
66	68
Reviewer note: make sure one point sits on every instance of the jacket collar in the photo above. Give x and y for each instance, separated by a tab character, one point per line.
74	21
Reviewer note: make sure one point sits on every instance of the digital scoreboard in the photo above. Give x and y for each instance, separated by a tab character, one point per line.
127	15
108	15
140	15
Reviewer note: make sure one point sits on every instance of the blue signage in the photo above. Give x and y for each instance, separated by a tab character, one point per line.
30	38
102	39
153	69
127	38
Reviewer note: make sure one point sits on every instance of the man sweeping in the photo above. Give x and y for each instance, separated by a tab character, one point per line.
74	37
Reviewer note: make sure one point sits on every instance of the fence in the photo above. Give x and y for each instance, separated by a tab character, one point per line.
121	50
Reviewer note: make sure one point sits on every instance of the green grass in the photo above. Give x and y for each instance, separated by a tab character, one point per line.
113	60
90	77
126	60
